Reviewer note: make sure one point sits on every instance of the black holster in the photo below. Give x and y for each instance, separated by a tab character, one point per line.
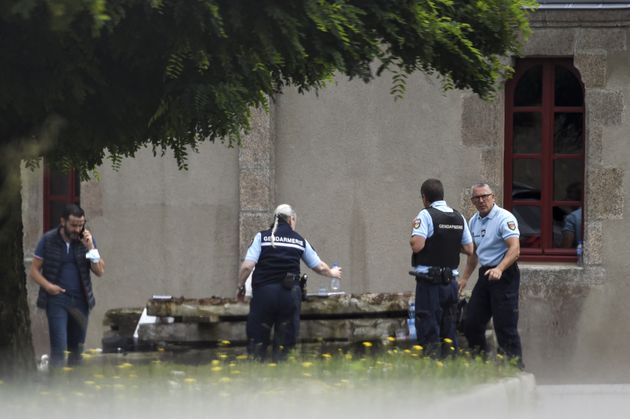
289	280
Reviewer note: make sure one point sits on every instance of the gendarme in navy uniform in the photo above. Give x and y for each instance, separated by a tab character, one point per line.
275	254
495	295
439	235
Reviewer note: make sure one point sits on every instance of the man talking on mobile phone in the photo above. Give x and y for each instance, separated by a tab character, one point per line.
63	260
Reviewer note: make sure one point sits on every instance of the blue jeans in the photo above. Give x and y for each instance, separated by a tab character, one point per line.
67	323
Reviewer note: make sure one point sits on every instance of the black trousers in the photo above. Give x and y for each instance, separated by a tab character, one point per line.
273	308
497	300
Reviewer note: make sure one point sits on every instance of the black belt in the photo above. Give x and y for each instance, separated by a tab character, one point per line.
435	276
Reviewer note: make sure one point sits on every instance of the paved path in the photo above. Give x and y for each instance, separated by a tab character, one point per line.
580	402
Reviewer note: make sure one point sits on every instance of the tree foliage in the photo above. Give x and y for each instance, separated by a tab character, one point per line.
116	75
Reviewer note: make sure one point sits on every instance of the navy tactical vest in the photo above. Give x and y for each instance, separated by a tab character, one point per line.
442	248
278	260
54	248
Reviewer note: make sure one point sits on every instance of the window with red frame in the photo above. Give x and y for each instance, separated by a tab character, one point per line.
544	157
60	188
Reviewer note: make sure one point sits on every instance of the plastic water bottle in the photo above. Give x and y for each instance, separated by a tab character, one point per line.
335	283
411	321
579	252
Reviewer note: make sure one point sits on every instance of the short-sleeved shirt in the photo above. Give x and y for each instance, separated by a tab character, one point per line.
423	227
490	232
310	256
573	223
69	278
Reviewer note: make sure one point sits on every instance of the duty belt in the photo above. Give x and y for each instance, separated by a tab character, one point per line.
436	275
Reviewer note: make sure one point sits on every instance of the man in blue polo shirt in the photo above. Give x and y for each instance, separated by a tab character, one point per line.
496	237
62	263
438	236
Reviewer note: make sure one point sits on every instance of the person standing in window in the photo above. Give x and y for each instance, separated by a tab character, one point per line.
439	234
496	237
63	260
276	294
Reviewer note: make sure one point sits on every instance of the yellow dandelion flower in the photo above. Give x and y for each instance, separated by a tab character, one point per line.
326	355
439	364
272	365
348	357
223	356
190	380
391	339
407	351
215	362
417	348
235	372
216	369
448	340
241	357
499	356
67	369
452	348
87	356
225	380
307	364
232	364
125	365
367	344
225	342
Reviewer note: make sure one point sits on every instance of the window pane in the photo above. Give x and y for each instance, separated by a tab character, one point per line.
567	179
567	226
56	209
58	182
568	89
526	129
526	179
77	188
568	133
528	217
528	92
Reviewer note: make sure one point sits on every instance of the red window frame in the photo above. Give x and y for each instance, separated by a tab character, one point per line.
72	194
547	110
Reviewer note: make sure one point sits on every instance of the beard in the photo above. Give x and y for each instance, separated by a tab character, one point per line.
71	234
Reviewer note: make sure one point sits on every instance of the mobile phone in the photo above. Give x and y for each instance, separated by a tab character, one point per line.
81	233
